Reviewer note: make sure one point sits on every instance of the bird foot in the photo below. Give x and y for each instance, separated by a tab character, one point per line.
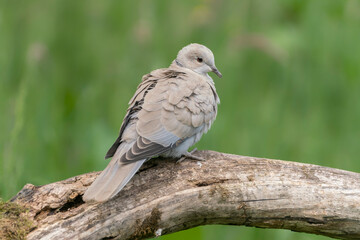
189	155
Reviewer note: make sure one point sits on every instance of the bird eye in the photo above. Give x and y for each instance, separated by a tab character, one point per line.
199	59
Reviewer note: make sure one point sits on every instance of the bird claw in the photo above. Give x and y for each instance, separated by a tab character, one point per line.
189	155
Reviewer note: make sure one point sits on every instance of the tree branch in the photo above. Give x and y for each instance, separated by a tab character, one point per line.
166	197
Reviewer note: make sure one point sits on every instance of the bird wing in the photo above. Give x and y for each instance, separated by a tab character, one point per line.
135	105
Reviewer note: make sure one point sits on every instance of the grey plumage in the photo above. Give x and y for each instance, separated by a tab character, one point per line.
170	111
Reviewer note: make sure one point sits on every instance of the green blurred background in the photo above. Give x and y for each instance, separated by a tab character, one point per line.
68	68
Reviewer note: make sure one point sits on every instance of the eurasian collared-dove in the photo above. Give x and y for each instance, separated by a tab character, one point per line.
170	111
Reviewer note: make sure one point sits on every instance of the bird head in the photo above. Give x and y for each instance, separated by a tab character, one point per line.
198	58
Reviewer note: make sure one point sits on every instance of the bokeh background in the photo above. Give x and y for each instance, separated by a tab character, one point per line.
68	68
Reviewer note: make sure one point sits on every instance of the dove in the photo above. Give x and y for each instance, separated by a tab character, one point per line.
170	111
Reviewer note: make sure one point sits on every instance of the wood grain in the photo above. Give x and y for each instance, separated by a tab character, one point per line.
166	197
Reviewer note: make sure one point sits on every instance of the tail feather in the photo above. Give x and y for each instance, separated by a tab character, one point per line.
114	177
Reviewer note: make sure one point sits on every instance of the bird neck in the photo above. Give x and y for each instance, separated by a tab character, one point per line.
178	63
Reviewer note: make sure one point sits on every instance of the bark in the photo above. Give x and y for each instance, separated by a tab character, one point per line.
166	197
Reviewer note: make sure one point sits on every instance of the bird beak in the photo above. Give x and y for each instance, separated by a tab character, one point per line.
216	71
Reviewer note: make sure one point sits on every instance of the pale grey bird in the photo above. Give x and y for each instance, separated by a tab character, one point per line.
170	111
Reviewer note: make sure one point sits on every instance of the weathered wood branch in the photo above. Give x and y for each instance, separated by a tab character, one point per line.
166	197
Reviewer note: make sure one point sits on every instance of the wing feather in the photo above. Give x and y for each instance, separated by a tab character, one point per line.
143	149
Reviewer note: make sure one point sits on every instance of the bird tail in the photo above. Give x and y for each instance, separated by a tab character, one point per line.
114	177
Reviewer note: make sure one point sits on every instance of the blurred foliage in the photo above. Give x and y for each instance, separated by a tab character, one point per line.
68	68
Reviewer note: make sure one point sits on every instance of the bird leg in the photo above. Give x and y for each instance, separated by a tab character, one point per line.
189	155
